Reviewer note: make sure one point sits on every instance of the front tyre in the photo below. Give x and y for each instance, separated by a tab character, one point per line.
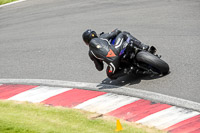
153	62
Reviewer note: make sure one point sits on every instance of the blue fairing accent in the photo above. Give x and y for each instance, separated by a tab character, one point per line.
113	41
122	51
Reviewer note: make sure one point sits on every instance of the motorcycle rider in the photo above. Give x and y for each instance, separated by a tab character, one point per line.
101	49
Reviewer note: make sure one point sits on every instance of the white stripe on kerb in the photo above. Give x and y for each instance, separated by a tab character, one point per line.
106	103
167	117
39	94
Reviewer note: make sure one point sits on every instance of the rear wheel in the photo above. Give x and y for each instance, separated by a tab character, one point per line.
153	62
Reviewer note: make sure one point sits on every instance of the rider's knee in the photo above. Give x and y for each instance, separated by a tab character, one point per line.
110	74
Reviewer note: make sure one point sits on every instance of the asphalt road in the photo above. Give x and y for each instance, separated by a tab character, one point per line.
42	40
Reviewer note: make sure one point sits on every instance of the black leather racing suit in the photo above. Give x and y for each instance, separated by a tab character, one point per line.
101	50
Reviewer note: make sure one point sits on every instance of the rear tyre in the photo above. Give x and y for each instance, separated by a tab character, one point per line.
153	62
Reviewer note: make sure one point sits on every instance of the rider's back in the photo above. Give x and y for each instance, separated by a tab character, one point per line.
103	50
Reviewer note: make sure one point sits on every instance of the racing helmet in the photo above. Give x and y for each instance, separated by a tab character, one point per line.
88	35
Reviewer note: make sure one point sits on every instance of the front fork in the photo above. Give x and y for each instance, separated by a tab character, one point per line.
140	69
144	70
135	66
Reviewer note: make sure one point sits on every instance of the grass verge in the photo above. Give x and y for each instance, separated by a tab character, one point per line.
6	1
22	117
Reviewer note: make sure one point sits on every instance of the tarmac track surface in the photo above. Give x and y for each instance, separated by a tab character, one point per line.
42	40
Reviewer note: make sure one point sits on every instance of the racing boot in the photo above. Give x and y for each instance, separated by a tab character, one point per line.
139	45
144	47
152	50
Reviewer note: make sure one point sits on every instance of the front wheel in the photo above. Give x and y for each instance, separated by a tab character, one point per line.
153	62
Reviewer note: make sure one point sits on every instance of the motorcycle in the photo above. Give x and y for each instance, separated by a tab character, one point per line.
143	61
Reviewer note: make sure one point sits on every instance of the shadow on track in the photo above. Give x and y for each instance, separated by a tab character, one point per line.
126	80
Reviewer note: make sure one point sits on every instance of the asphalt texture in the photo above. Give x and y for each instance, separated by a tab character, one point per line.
43	40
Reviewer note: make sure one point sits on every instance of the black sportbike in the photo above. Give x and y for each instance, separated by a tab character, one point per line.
143	61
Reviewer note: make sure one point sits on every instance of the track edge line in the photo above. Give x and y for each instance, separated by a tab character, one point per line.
152	96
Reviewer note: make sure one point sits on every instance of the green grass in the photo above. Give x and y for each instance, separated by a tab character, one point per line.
18	117
6	1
